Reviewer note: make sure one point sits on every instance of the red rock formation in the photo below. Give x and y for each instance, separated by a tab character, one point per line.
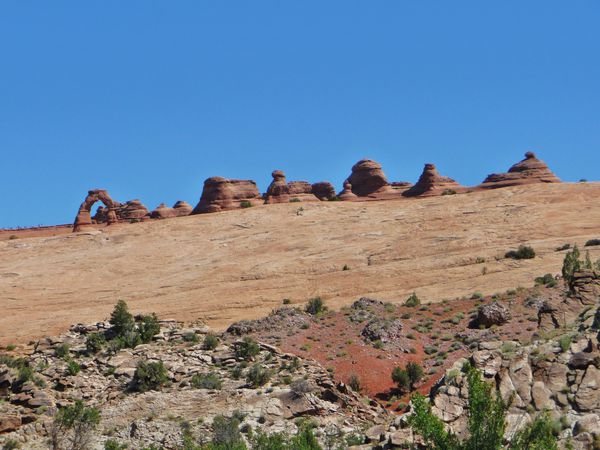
432	183
180	208
368	179
132	210
220	194
280	191
530	170
84	219
347	195
323	190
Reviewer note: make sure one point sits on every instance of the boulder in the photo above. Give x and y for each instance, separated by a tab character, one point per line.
528	171
323	190
431	183
9	422
493	314
182	208
222	194
132	210
587	396
162	211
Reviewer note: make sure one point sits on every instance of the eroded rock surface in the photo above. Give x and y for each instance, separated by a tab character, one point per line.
529	170
222	194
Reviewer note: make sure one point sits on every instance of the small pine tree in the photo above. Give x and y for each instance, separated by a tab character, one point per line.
149	376
571	264
148	328
401	378
121	319
415	373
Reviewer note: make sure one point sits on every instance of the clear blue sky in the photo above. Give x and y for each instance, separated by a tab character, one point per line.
149	98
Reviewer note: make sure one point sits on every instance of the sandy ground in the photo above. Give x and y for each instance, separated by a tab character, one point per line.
240	264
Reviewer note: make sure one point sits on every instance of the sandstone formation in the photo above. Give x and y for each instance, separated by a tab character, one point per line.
180	208
367	179
347	194
323	190
222	194
432	183
84	219
132	210
528	171
280	191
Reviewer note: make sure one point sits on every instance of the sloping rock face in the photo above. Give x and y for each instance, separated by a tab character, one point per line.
221	194
280	191
84	219
530	170
431	183
323	190
368	179
180	208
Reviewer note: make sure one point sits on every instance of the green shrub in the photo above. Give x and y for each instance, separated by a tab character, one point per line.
258	375
191	337
563	247
11	444
523	252
412	301
62	351
72	367
286	301
415	373
346	267
565	342
401	378
111	444
245	204
246	349
10	347
546	280
206	381
148	328
94	342
78	418
149	376
121	319
449	192
592	242
315	306
354	382
294	200
430	349
226	433
211	342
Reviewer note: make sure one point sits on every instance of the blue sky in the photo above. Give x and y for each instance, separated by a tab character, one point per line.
149	98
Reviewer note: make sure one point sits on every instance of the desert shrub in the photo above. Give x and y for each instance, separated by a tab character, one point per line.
149	376
346	267
565	342
295	200
430	349
72	367
592	242
546	280
486	423
111	444
211	342
121	319
11	347
412	301
62	351
94	342
148	327
258	375
11	444
78	419
401	378
206	381
245	204
415	373
315	306
286	301
523	252
226	433
129	339
354	382
191	338
246	349
563	247
571	264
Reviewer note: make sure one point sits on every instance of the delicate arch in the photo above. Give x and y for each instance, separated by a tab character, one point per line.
84	217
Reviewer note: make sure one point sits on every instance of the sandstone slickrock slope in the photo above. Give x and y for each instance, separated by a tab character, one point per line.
529	170
221	194
431	183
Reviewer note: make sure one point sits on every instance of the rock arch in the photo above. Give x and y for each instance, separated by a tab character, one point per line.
84	217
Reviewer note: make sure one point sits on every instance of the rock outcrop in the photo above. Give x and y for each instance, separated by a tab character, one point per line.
528	171
280	191
347	195
222	194
132	210
431	183
323	190
367	179
493	314
84	219
163	211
